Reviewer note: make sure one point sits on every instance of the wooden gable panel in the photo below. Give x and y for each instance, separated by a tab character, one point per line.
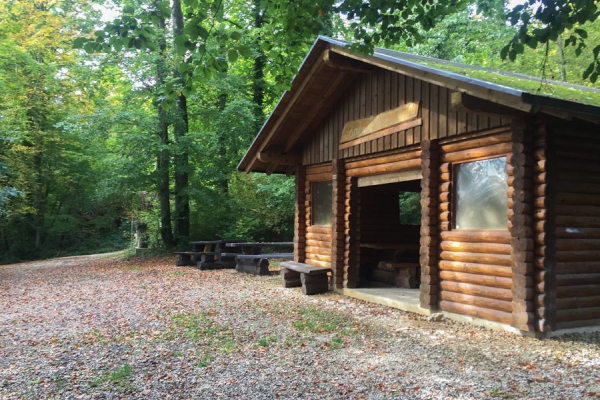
372	94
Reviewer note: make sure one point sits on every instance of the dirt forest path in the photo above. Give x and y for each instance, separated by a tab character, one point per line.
102	327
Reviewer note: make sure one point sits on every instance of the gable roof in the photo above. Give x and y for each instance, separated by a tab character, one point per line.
329	65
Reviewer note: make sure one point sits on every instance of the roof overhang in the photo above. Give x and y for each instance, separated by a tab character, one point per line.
330	67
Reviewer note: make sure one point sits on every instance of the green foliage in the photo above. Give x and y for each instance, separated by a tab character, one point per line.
410	208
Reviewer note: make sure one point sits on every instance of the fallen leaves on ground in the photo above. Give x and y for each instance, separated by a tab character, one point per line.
107	327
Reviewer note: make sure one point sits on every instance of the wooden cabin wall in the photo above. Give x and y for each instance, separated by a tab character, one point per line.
300	215
352	210
317	249
475	265
381	91
577	225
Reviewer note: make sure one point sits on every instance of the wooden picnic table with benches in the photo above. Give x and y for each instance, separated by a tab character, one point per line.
252	261
209	254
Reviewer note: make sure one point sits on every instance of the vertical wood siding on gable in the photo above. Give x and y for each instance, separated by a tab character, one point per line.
379	92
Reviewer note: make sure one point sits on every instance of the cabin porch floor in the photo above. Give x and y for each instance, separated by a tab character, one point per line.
402	299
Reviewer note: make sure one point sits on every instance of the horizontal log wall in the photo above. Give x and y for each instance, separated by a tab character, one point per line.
318	246
475	270
381	91
577	226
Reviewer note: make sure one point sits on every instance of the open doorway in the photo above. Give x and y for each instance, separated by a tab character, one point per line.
389	226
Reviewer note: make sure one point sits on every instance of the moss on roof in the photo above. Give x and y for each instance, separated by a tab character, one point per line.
533	85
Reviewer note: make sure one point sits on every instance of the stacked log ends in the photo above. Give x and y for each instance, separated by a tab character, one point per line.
300	215
339	213
522	255
428	296
544	175
352	233
577	226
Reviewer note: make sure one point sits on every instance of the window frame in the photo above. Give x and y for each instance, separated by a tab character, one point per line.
314	202
454	192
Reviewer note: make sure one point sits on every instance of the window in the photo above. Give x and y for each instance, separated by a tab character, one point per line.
482	195
322	203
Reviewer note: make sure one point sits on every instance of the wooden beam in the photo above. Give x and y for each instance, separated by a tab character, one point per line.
311	114
320	64
401	176
467	103
271	168
337	61
280	158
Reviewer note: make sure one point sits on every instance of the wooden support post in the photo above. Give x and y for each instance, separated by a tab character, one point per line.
521	161
290	278
300	215
352	231
545	214
337	229
429	221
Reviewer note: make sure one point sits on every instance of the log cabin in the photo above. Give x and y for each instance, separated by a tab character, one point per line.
504	170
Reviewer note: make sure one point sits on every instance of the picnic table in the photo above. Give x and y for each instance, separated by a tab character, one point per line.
209	254
252	261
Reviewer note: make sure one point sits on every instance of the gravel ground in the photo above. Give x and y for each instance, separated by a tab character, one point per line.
108	328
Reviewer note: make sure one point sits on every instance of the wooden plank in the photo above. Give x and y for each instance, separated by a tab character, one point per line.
362	138
417	99
394	177
433	112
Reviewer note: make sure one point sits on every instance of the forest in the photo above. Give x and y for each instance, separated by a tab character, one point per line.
133	115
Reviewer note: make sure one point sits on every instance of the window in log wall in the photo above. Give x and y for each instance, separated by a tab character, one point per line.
322	209
481	193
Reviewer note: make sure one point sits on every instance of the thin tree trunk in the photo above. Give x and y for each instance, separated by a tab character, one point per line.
39	201
562	62
164	157
258	83
180	127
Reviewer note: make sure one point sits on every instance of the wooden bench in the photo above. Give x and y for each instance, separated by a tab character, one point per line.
208	254
312	279
257	264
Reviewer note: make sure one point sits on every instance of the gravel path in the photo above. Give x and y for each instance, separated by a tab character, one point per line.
107	328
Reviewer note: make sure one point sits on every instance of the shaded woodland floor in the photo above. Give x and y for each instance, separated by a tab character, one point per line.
102	327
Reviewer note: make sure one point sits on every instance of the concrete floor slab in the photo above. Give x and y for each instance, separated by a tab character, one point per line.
402	299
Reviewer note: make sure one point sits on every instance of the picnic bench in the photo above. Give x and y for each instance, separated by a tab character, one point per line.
208	254
312	279
252	261
395	264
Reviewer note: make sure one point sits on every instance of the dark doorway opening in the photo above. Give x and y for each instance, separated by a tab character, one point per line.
390	224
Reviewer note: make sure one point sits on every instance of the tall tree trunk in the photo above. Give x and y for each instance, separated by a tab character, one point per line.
258	83
164	159
39	198
562	62
180	128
